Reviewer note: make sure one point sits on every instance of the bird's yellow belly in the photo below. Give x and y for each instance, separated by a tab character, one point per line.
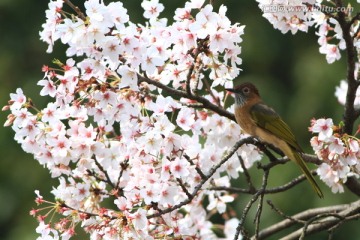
275	141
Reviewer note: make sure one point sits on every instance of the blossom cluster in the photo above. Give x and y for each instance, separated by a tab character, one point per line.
302	14
339	152
108	136
291	17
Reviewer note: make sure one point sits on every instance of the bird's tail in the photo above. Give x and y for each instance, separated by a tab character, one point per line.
300	161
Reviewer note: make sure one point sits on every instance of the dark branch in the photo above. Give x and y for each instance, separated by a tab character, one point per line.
282	188
198	170
190	73
278	211
181	184
233	190
347	214
123	166
355	18
260	204
240	227
206	103
80	14
311	159
353	184
349	115
306	215
247	175
108	180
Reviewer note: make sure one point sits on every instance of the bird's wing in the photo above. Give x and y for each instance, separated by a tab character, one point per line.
266	118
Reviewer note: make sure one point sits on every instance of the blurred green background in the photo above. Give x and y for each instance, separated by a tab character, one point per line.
291	74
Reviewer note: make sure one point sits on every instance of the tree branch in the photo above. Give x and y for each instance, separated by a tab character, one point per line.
247	175
353	185
206	103
198	170
282	188
181	184
328	222
108	180
80	14
282	214
260	204
349	115
343	210
240	227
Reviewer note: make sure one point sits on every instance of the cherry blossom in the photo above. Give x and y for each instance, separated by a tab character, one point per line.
298	15
339	152
152	8
323	127
128	119
105	130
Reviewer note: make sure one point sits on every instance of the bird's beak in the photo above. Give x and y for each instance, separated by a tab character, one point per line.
230	90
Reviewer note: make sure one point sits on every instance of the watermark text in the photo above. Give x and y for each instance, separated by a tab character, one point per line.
280	8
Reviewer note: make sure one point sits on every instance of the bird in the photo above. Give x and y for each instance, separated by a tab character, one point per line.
261	121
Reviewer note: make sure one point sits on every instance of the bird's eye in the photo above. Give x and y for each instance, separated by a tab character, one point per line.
246	90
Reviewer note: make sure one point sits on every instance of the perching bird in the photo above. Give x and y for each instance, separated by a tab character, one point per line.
261	121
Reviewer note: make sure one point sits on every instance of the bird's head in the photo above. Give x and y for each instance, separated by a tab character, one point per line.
244	93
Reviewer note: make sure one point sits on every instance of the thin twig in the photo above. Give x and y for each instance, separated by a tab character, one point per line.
355	18
272	164
190	73
108	180
93	174
123	166
305	215
90	214
198	170
286	186
208	89
282	188
181	184
261	202
283	214
80	14
247	175
232	189
310	221
240	227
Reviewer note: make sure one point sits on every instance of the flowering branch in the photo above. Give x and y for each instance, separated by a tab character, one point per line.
178	93
353	84
350	114
203	181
